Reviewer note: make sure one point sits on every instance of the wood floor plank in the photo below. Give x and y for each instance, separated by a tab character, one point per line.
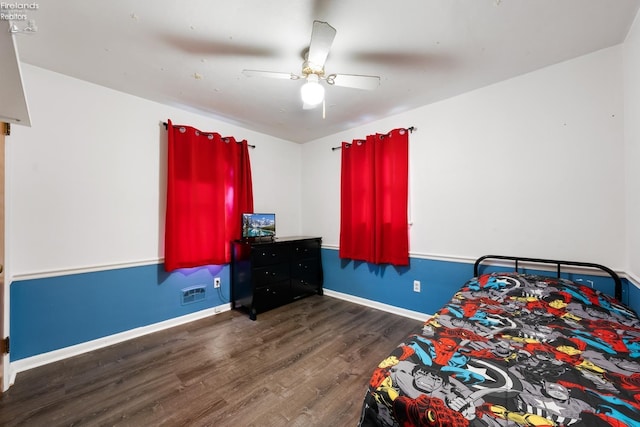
304	364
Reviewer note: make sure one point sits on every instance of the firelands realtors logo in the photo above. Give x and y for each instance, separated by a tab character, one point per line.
16	11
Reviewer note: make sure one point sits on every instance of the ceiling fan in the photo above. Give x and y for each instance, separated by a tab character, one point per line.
312	92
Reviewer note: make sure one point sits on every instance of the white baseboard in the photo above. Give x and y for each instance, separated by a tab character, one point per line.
54	356
378	305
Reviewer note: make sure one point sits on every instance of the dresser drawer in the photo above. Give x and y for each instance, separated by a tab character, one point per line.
306	277
272	295
269	254
269	274
307	268
306	248
301	288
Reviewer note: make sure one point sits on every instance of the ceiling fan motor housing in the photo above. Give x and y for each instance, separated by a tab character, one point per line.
309	68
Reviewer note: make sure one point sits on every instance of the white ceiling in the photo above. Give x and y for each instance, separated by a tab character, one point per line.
191	54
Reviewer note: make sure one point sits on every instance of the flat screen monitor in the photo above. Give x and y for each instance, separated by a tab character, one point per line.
258	225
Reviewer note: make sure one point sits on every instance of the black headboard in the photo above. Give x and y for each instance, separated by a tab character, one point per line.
516	260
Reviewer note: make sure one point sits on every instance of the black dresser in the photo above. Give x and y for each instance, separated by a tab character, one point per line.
269	273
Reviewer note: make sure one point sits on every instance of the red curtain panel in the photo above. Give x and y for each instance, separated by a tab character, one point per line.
208	188
374	196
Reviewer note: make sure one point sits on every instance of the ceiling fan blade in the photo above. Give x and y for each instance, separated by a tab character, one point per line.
322	37
355	81
270	74
208	47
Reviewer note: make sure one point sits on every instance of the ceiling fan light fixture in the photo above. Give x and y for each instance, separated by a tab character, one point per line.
312	92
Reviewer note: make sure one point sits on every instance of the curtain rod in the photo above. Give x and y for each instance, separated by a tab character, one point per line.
166	126
410	129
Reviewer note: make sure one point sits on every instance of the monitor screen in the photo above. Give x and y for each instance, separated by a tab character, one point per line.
258	225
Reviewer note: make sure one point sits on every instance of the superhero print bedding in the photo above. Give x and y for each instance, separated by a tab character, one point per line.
514	350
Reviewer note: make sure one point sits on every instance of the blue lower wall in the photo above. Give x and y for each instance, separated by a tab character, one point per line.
633	295
391	285
52	313
439	281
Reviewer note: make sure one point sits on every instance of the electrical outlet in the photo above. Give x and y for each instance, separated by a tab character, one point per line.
216	282
582	281
416	286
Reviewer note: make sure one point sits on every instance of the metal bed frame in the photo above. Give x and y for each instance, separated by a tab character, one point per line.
610	272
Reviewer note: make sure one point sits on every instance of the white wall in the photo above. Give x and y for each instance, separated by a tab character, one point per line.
86	183
531	166
632	147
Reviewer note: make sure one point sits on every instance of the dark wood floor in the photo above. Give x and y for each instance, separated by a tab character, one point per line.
305	364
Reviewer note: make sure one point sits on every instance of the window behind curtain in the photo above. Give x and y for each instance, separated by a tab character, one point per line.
208	188
374	186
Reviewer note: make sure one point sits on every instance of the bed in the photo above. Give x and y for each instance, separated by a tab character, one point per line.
515	349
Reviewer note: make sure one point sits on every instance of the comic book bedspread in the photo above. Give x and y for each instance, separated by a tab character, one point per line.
514	350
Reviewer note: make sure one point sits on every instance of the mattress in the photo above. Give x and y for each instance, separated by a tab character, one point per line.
514	350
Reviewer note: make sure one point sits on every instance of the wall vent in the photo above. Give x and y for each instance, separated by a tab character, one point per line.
193	294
